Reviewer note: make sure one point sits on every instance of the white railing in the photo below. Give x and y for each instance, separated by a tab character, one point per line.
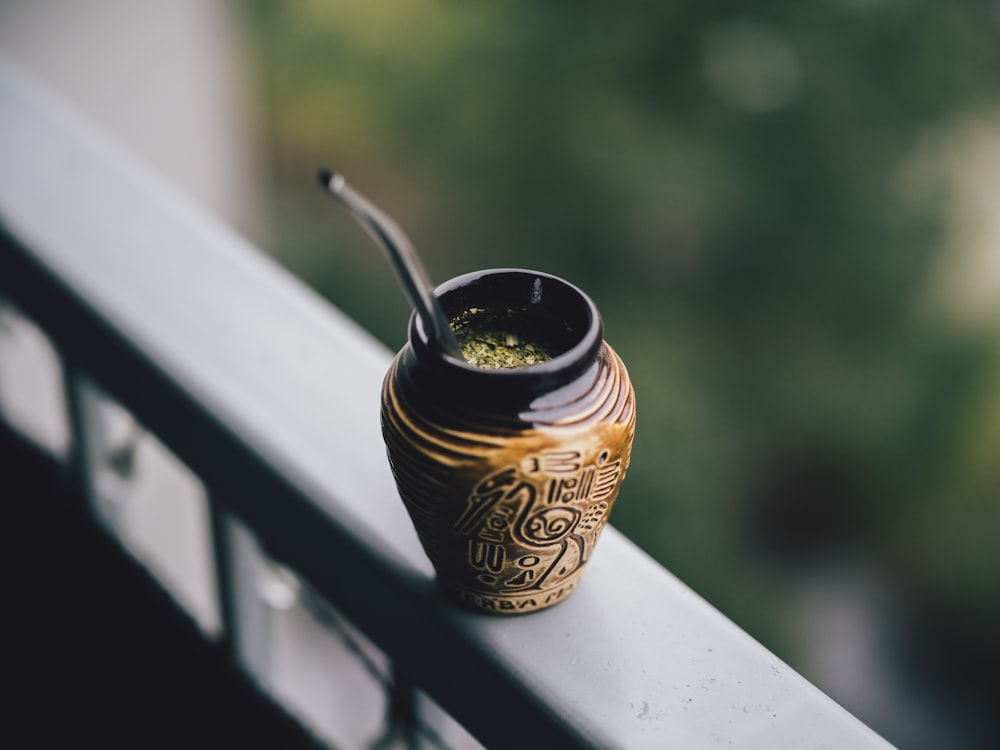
224	422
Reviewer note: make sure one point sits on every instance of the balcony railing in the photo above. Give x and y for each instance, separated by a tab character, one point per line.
223	420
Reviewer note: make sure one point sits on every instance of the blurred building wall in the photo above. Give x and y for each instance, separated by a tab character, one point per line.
165	78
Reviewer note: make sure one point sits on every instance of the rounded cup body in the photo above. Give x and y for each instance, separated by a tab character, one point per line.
509	475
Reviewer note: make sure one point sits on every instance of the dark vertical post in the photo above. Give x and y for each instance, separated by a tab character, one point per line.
79	469
222	559
401	732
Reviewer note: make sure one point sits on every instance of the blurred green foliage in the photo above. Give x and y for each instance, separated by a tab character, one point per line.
755	198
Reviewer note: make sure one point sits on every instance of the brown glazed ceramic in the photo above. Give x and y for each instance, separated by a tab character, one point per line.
509	475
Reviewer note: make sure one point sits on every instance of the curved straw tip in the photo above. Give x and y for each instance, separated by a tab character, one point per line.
332	181
325	175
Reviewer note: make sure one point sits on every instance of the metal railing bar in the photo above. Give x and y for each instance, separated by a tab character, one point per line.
303	533
401	725
84	431
270	396
222	557
257	481
78	468
321	610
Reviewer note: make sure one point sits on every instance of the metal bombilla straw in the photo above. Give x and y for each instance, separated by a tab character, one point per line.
402	257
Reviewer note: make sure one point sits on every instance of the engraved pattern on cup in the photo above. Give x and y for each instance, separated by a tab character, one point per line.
510	507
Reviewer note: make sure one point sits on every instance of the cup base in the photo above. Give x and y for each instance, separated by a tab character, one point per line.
513	604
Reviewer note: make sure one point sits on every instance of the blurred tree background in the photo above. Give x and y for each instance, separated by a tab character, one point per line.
788	216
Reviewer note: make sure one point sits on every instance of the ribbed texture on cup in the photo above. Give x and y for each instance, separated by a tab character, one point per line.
509	495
